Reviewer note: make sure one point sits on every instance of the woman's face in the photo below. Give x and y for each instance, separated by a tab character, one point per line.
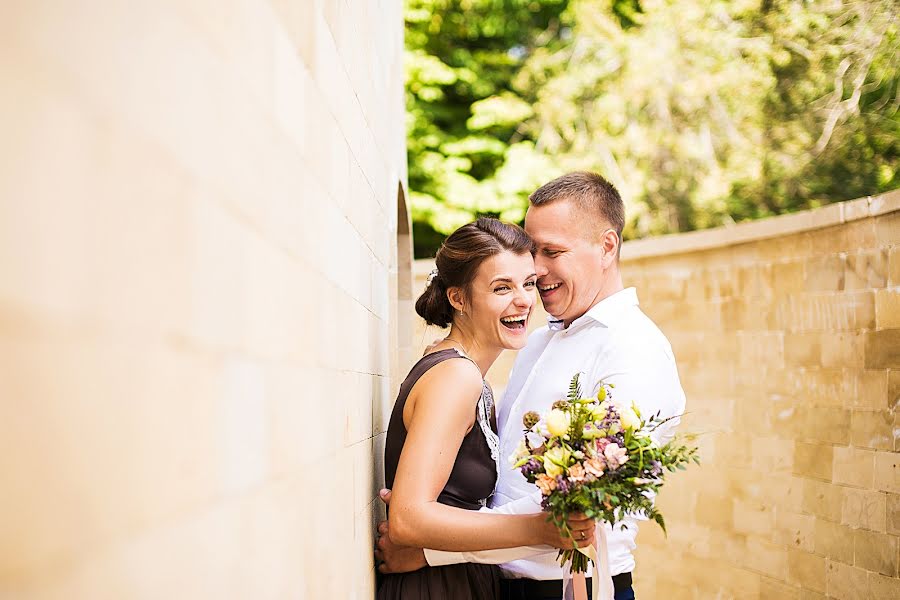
500	300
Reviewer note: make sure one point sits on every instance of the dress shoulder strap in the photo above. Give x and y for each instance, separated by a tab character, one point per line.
484	411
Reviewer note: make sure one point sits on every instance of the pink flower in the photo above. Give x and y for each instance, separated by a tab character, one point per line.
615	455
576	473
594	466
546	483
601	444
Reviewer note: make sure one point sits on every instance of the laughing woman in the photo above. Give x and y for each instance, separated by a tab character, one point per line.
441	454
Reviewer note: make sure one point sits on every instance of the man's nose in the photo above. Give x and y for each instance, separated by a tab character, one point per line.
539	267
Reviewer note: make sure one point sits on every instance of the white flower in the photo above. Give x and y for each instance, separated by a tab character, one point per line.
535	440
520	452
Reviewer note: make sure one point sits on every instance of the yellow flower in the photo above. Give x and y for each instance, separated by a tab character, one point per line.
552	468
556	460
557	423
629	419
598	412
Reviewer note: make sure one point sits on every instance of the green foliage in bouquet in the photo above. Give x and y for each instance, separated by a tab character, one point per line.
597	456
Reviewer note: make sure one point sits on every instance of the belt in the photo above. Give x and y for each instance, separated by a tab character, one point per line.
537	589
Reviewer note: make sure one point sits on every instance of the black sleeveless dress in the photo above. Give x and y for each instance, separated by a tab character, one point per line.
471	483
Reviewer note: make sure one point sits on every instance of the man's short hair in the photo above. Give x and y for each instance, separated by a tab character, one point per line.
588	191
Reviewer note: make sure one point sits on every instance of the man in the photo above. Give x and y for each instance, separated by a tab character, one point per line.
596	328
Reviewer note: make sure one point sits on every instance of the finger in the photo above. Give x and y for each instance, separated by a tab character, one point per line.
381	543
579	529
379	556
385	495
383	528
383	569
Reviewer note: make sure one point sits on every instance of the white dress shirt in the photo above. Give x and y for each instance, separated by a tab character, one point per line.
614	342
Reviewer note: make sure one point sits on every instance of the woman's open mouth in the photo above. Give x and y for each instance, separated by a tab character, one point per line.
516	323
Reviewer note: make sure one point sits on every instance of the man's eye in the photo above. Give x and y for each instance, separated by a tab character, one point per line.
551	253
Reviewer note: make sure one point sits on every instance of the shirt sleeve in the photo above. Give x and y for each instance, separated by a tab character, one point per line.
650	380
523	506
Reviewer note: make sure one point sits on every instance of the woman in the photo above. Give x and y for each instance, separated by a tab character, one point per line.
441	453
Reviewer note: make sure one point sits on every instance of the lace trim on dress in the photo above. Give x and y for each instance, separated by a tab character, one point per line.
485	409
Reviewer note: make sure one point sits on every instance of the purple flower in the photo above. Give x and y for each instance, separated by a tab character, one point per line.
532	467
562	484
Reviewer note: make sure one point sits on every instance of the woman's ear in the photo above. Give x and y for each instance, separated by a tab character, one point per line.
455	296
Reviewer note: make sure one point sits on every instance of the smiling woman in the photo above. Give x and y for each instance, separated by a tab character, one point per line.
442	451
483	288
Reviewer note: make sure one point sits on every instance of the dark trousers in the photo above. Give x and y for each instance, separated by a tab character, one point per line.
517	589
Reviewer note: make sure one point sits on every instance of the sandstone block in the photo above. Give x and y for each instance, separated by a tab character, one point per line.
854	466
875	552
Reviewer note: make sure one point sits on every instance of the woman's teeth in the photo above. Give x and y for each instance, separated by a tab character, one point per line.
514	322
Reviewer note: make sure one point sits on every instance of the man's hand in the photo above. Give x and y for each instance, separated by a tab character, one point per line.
392	558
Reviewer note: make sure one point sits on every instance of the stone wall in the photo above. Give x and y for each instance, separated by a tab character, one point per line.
787	336
204	250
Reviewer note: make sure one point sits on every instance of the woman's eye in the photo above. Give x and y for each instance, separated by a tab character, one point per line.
501	288
530	283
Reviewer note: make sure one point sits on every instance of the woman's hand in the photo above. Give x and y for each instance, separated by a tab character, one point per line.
582	529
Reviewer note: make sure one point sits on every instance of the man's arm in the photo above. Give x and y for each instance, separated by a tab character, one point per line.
650	380
393	558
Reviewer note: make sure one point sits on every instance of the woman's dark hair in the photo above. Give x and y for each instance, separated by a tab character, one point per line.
458	260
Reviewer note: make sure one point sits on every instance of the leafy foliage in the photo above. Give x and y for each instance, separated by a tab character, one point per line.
597	456
702	112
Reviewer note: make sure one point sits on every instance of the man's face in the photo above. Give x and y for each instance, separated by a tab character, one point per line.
568	261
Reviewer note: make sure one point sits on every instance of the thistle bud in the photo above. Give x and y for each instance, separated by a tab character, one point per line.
530	419
561	404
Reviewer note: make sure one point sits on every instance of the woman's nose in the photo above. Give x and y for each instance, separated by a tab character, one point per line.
524	298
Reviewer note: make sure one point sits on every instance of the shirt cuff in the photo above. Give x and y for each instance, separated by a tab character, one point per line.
439	558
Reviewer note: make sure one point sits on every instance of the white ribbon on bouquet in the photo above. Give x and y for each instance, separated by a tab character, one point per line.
574	585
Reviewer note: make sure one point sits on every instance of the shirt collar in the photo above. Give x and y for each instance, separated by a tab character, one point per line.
603	312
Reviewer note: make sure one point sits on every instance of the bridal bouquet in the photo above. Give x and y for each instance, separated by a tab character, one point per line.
596	456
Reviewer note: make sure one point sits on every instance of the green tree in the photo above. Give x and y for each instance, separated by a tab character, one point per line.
463	115
703	112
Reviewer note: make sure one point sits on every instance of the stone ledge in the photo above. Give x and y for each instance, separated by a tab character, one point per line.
808	220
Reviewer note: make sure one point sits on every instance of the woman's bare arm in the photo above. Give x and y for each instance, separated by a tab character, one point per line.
440	415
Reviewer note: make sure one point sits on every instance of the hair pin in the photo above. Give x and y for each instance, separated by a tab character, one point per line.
431	276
